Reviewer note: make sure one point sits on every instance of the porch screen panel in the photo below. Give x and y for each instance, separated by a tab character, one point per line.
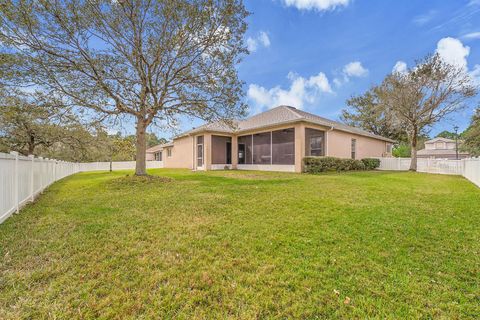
219	149
314	142
262	148
283	146
245	150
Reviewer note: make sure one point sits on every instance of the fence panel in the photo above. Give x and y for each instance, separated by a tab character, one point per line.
472	170
7	185
469	168
22	178
440	166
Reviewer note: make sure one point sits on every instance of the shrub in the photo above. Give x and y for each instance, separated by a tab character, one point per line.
352	165
371	163
325	164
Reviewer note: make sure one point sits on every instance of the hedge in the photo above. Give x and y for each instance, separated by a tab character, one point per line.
326	164
371	163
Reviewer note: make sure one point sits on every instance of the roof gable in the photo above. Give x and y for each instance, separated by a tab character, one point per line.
439	139
278	115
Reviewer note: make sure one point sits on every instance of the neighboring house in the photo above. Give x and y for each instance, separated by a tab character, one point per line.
441	148
275	140
155	153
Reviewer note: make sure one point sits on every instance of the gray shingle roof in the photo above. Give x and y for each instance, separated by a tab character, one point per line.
159	147
276	116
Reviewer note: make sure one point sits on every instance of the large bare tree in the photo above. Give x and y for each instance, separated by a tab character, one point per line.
424	95
366	111
152	60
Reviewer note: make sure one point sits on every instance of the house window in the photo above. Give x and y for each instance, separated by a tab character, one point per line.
283	146
389	148
314	142
169	152
158	156
354	148
200	151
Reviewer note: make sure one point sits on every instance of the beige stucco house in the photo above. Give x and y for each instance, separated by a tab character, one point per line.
442	148
275	140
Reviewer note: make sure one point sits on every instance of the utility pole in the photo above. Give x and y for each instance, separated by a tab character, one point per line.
456	141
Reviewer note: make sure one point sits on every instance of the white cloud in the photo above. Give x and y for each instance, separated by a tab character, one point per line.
338	82
471	35
400	67
264	39
453	52
261	39
355	69
475	74
320	5
252	44
302	91
424	18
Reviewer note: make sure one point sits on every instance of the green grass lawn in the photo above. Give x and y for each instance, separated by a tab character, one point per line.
245	245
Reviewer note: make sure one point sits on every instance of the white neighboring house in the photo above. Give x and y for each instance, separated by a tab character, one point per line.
442	148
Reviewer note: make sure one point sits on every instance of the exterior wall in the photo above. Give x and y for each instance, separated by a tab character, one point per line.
150	156
234	152
181	154
299	146
339	145
207	151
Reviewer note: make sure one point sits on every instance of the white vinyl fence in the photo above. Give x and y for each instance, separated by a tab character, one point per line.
23	178
469	168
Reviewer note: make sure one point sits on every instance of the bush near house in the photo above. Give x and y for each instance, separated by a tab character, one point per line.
371	163
326	164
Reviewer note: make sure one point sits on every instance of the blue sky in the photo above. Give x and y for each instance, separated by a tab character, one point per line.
315	54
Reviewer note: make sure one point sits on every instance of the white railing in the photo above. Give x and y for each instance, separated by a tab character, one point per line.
23	178
469	168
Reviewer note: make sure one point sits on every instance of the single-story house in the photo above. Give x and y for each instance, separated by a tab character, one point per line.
274	140
442	148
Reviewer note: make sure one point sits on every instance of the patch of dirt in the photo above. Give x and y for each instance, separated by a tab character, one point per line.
133	180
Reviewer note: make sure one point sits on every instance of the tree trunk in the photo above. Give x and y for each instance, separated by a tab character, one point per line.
31	148
413	145
31	145
141	148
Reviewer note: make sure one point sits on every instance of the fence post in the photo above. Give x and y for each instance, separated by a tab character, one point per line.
15	153
32	158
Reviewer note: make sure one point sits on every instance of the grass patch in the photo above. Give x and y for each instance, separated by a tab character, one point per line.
233	244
